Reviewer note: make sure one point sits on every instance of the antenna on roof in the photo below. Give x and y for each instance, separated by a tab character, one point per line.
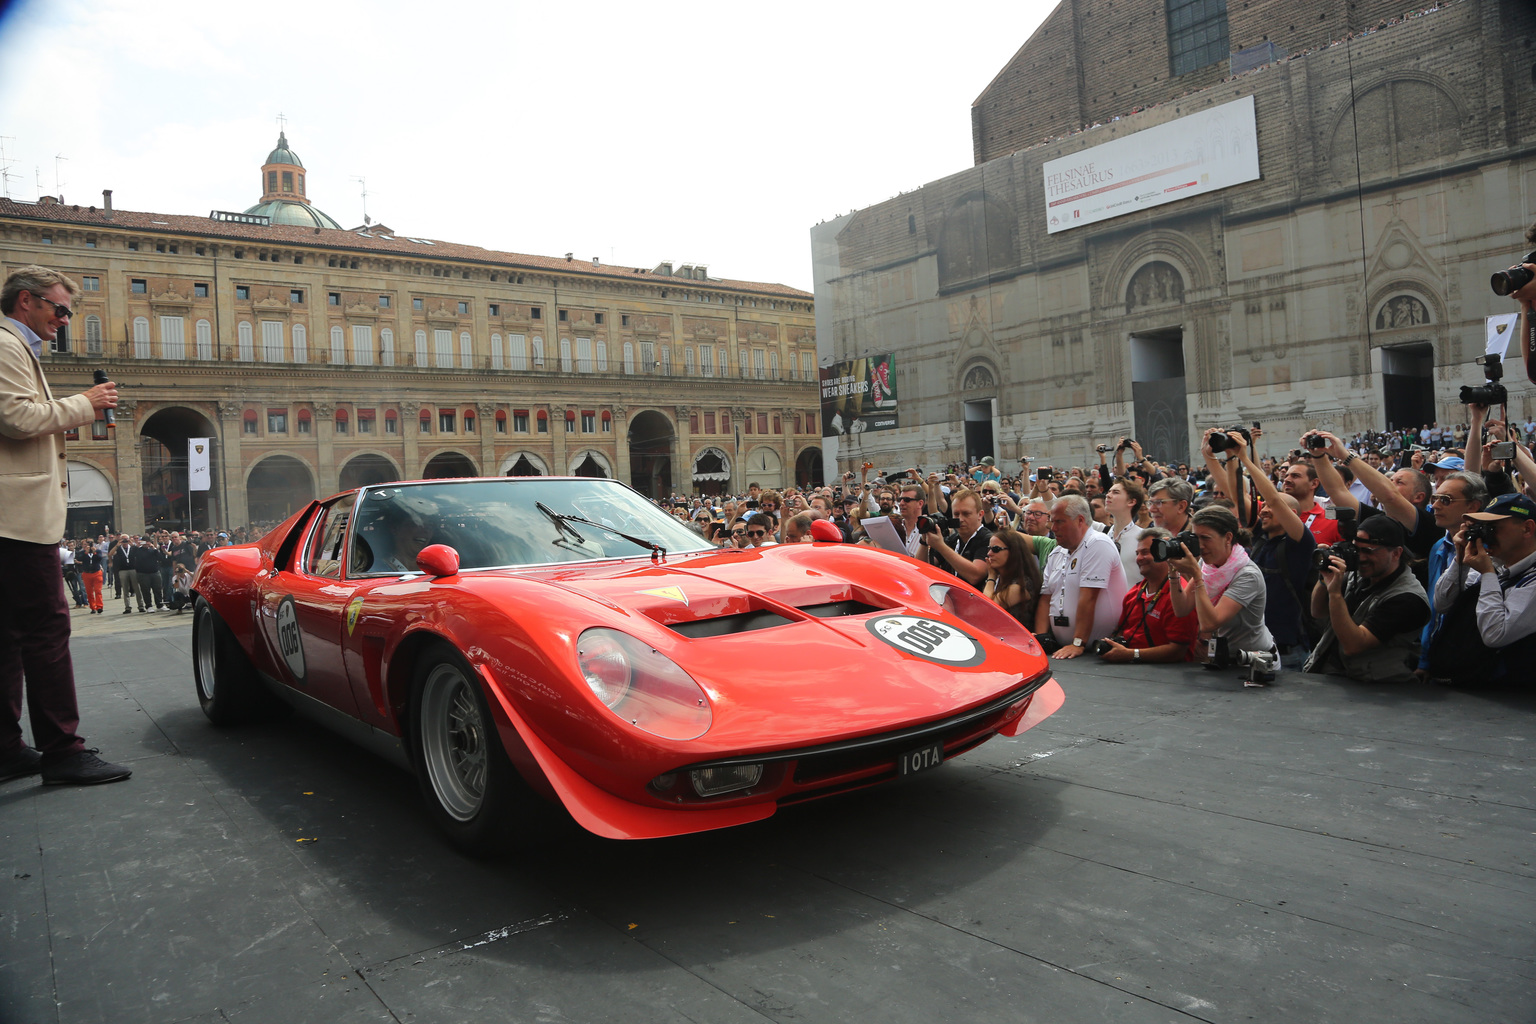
58	177
364	182
5	167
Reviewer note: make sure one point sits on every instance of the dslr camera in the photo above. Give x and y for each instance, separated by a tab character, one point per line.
1507	282
1260	664
1162	550
1344	547
1491	393
1221	442
1101	647
1316	442
1124	445
937	524
1480	530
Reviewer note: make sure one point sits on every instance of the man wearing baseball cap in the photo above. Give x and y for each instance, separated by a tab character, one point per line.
1375	614
1496	561
1443	468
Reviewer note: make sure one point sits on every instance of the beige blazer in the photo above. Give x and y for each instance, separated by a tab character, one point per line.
34	477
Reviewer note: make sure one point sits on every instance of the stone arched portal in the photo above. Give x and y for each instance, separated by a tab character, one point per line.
366	469
276	487
446	465
164	451
651	440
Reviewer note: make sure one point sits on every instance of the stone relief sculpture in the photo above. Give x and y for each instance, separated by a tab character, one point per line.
1156	284
1401	311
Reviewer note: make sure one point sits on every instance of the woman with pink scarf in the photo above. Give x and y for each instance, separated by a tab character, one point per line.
1223	585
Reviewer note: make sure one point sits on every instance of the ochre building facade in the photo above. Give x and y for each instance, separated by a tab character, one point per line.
315	359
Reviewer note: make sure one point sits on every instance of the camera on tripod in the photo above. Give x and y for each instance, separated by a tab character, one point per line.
1491	393
1260	664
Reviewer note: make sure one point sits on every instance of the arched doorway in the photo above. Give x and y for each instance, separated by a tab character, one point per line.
444	465
590	467
90	502
711	471
525	465
808	468
764	466
367	469
276	488
650	454
163	452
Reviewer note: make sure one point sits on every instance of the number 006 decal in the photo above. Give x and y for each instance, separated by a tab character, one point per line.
933	641
288	638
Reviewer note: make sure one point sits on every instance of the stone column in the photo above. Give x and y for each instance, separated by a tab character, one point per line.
231	467
682	459
130	472
789	446
738	450
485	412
557	466
621	468
410	432
325	448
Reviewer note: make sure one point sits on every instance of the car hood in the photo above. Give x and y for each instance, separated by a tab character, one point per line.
781	640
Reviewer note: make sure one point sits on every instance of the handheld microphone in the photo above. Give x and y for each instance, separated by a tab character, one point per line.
100	377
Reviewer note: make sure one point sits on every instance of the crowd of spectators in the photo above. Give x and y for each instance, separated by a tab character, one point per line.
152	571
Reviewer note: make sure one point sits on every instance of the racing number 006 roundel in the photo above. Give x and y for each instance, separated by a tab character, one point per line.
927	639
289	640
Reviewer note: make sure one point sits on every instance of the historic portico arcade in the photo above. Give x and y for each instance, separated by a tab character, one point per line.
314	359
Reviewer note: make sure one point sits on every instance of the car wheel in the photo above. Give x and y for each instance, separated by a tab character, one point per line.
227	686
470	786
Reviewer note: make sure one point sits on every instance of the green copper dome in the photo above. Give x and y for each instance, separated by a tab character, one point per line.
282	154
287	211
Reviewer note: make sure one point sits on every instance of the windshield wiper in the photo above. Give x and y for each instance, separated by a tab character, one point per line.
559	521
563	520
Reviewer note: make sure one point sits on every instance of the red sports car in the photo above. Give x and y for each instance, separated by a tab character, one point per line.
565	637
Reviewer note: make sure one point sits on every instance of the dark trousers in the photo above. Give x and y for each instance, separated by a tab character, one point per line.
147	584
34	651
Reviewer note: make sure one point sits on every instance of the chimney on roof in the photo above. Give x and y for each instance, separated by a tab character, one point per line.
594	261
568	257
106	202
47	201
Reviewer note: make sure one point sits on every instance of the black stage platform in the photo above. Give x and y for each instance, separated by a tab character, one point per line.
1168	847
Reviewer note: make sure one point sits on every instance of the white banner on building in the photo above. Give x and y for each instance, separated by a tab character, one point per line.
1193	155
198	478
1500	329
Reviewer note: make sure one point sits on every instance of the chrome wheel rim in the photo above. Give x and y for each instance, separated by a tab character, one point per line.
453	741
207	657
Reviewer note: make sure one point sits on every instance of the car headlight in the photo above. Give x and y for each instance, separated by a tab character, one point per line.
641	685
975	610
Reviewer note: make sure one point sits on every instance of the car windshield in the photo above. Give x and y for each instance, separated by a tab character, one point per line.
496	523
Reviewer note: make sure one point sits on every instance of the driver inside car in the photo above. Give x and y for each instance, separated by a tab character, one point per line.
394	530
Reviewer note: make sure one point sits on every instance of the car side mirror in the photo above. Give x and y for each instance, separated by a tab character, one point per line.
438	560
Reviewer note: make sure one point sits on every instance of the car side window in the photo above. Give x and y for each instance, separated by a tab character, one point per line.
330	538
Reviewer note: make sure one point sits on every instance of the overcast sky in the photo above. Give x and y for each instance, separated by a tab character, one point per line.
714	133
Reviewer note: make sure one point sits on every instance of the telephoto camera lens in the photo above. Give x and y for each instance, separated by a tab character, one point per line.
1507	282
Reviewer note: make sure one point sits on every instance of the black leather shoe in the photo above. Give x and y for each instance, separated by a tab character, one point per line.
83	769
26	762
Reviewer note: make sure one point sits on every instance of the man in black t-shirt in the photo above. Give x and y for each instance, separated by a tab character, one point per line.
964	552
1374	616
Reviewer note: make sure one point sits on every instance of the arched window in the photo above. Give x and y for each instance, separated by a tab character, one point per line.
305	421
426	421
496	352
338	345
602	357
391	422
300	343
246	351
341	421
362	345
249	421
204	339
538	352
607	422
421	349
466	350
519	351
501	421
629	357
93	335
565	355
386	346
141	337
469	421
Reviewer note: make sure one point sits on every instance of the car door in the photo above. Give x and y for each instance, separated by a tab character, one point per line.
302	607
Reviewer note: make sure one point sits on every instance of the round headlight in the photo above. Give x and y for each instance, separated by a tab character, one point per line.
604	666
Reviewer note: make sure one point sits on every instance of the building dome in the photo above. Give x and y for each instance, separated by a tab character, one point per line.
299	214
283	197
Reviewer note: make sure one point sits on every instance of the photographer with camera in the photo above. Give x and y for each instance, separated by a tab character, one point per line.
1149	628
1519	283
1489	631
1459	494
1374	608
1404	497
1223	585
964	553
1084	580
1282	549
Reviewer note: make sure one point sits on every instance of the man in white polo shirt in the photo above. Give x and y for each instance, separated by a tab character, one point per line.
1084	583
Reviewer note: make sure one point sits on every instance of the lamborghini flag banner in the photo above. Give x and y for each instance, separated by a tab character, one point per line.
198	478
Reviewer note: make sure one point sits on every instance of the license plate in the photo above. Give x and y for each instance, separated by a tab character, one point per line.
921	760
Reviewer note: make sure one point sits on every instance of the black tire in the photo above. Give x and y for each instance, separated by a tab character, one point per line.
472	791
227	686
